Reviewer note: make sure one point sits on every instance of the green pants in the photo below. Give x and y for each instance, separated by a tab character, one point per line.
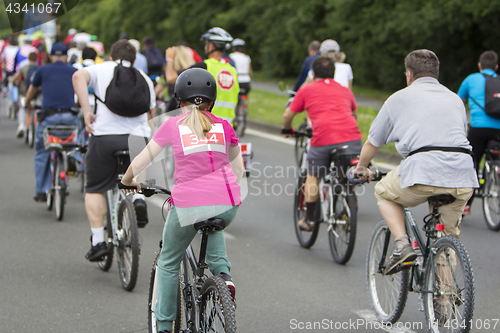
176	239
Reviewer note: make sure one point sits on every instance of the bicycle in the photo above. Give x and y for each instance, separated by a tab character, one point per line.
240	121
441	274
120	226
31	122
301	142
59	140
336	205
204	304
490	181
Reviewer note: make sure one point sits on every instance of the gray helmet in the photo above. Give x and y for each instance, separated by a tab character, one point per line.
219	37
196	85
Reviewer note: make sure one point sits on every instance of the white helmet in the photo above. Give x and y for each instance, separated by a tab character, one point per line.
238	42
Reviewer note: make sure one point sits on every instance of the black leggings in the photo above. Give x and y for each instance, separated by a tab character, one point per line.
478	138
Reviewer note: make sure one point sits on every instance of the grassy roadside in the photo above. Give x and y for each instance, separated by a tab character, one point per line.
268	107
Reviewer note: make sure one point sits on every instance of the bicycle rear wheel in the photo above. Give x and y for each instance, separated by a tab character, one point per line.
342	233
306	238
387	293
106	263
153	297
449	304
491	199
217	307
60	187
128	248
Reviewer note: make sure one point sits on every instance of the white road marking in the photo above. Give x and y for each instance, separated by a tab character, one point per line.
371	321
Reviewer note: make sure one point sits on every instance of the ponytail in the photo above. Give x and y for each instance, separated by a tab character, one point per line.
198	122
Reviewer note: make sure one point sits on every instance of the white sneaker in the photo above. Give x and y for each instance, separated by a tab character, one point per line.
20	131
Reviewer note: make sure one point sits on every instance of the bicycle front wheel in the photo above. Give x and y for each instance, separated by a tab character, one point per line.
241	119
31	133
306	238
217	307
106	263
342	232
184	318
491	199
128	248
300	145
60	187
153	297
449	280
387	293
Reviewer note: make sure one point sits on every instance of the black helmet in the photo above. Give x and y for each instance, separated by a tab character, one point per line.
219	37
195	82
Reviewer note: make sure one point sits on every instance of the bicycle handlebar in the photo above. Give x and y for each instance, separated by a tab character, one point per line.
298	133
148	189
355	178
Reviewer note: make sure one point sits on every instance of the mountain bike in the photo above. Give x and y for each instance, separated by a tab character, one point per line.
441	274
336	205
490	181
120	226
59	140
204	304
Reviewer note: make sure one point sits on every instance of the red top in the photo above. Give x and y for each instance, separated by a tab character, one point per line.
329	107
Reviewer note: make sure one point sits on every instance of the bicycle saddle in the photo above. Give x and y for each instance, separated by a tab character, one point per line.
216	224
441	199
338	150
121	153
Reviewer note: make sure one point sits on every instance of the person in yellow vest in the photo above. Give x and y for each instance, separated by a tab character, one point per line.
217	41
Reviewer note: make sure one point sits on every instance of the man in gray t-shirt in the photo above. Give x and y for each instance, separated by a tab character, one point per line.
424	114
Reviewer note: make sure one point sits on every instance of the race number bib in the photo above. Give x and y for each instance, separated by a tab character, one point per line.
215	140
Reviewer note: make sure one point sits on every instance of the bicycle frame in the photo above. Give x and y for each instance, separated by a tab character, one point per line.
418	270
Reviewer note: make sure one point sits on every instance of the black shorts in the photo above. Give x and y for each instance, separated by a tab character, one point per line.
318	158
244	88
101	166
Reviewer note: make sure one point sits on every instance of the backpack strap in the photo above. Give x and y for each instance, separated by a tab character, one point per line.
440	148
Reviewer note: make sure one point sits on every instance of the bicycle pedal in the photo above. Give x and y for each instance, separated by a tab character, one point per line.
402	266
406	265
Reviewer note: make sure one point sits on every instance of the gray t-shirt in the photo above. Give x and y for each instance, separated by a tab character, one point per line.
426	113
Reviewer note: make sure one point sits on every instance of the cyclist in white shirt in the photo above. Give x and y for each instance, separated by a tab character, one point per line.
243	65
343	72
110	132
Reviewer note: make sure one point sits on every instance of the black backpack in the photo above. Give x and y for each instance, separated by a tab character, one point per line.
491	96
154	57
128	93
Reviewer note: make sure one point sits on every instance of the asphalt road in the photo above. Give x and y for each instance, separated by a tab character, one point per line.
46	285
